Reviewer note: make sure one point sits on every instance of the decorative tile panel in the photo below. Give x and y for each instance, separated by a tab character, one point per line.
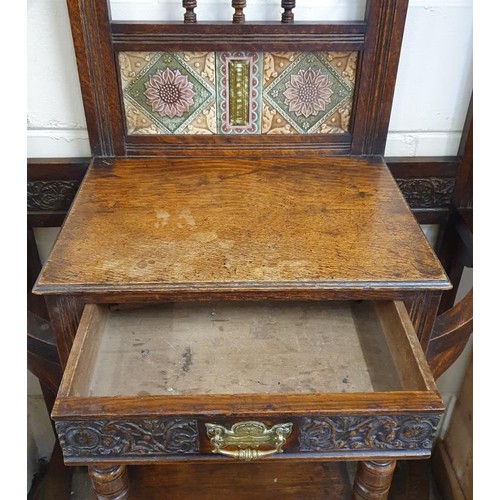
237	92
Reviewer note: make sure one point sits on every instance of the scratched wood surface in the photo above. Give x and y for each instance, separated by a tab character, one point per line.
237	348
160	225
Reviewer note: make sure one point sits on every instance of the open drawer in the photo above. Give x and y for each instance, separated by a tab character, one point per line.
253	380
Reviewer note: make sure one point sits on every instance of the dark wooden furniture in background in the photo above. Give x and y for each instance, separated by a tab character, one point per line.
377	39
456	251
452	457
44	363
453	326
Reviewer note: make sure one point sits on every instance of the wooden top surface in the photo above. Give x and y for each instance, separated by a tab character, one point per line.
171	226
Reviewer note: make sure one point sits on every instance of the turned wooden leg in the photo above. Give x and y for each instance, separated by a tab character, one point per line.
373	480
110	483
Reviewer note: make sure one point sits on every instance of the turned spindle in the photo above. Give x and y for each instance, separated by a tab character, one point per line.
190	14
288	6
110	482
373	480
238	6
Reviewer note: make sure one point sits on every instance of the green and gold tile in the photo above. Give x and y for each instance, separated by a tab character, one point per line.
168	92
311	93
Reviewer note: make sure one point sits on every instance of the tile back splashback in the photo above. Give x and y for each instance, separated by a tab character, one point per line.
237	92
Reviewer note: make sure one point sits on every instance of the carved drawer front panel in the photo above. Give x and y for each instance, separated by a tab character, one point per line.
128	439
163	438
331	435
245	440
246	381
378	433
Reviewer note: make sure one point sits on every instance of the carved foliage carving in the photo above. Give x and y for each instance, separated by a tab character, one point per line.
51	195
429	192
128	438
326	434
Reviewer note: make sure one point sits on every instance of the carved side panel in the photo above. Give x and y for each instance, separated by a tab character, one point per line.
51	195
432	192
329	434
128	438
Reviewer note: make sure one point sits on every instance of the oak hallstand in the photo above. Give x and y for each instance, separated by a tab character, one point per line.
239	277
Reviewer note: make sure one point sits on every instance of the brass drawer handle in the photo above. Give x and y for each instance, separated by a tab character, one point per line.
245	438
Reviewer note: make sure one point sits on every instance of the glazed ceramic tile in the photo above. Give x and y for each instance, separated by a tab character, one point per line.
169	93
237	92
308	93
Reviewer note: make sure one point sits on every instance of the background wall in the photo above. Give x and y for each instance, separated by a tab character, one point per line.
433	88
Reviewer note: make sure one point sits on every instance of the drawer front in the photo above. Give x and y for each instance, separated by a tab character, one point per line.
135	440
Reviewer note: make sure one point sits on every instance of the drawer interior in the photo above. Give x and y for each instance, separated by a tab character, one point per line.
246	348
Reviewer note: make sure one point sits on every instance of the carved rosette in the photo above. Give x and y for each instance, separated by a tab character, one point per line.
51	195
329	434
128	439
432	192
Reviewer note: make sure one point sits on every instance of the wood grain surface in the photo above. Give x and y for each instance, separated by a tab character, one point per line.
318	481
268	347
159	225
373	480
